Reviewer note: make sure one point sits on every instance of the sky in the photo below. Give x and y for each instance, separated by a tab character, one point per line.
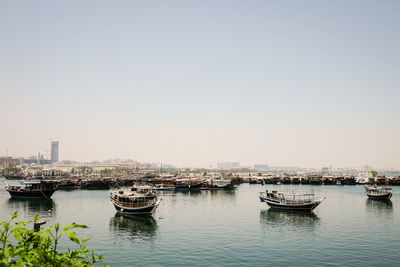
193	83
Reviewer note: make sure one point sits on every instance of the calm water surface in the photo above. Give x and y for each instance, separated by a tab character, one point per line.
230	228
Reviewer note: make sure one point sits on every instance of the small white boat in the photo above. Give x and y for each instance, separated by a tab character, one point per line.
362	180
163	187
221	183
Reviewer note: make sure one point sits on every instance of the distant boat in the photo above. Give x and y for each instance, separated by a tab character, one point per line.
163	187
32	189
188	184
378	192
288	201
362	180
141	200
221	183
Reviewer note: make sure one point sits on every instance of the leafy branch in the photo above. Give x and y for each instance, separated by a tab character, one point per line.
23	246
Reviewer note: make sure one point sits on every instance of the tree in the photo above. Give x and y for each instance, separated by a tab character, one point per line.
22	246
374	173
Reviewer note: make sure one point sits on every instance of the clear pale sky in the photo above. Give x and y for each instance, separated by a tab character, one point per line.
192	83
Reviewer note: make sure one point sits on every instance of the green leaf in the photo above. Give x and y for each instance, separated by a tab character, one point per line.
37	218
19	241
57	227
73	237
72	226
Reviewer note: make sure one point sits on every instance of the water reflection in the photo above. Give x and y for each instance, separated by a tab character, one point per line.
133	227
278	218
379	206
221	192
31	206
192	193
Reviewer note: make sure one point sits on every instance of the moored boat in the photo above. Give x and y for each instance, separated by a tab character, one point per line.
290	201
378	192
164	187
32	189
188	184
315	179
221	183
141	200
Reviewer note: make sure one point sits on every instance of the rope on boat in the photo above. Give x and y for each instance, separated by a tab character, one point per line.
160	217
44	194
116	186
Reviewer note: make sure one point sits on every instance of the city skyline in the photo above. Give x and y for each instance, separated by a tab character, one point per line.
306	84
212	165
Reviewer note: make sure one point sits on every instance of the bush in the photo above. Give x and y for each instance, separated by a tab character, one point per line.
22	246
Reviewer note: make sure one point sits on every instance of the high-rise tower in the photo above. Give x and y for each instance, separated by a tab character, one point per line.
54	151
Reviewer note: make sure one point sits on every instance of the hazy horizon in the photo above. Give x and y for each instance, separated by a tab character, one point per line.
193	83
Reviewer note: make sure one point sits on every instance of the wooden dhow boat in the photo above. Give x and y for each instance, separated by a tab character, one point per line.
290	201
378	192
32	189
141	200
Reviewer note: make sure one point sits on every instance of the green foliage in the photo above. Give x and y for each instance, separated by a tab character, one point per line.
23	246
374	173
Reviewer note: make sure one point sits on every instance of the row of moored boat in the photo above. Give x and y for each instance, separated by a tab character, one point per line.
143	199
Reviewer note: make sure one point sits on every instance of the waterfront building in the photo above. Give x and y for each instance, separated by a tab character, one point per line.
54	151
260	167
228	165
39	159
8	162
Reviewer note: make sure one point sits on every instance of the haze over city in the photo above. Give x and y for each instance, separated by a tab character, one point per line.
192	83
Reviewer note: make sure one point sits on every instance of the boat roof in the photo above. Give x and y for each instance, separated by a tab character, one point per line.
291	194
131	194
30	181
144	187
374	187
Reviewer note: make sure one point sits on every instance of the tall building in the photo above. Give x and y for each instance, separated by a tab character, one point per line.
54	151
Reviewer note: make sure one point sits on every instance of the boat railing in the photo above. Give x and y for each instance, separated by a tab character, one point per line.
290	199
375	190
379	191
133	203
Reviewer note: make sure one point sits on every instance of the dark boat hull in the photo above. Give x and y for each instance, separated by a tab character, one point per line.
32	194
305	207
135	211
14	177
188	187
146	211
380	197
99	185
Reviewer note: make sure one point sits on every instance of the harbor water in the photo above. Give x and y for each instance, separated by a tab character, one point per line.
230	228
